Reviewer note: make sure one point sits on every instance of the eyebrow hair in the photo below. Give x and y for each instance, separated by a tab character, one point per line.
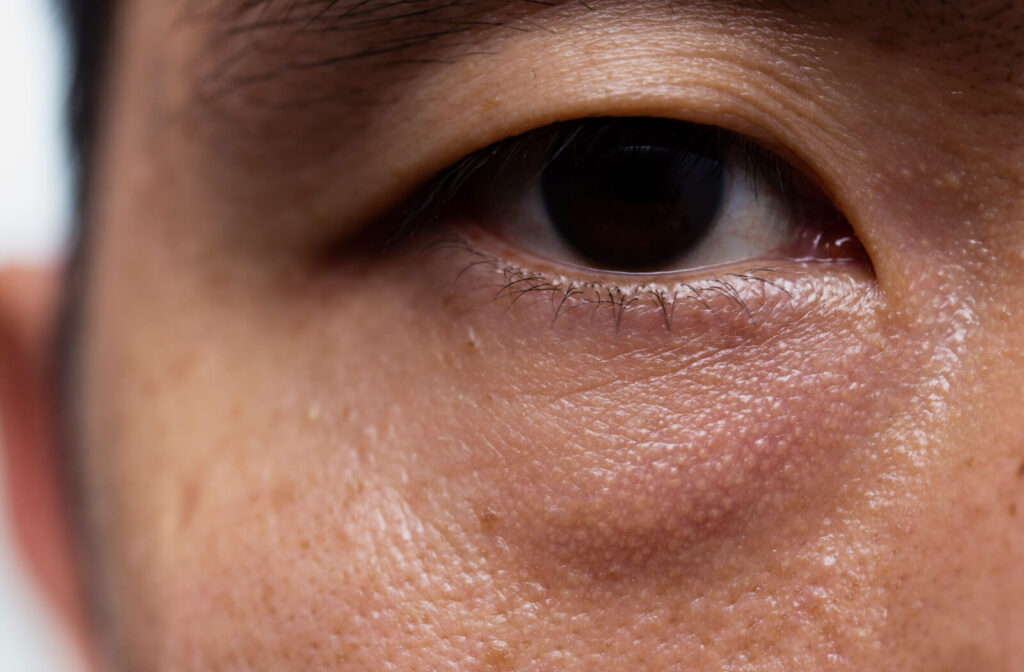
382	44
337	15
253	43
440	18
436	18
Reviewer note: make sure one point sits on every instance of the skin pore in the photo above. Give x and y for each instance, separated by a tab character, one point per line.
301	451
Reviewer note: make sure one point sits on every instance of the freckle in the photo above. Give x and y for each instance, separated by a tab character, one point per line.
282	497
1012	509
1020	470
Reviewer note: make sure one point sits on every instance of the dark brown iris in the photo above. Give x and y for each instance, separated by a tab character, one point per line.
633	194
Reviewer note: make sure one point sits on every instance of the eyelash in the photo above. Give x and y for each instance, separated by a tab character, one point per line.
721	291
759	163
735	291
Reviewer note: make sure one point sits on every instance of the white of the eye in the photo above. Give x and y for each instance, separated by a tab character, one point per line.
753	221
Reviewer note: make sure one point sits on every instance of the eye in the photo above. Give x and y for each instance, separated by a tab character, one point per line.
643	195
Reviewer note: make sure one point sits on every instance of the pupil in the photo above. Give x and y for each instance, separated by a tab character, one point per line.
634	194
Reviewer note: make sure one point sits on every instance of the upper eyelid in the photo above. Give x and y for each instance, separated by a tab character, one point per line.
341	141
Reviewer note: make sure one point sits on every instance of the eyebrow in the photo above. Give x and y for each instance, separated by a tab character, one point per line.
251	45
336	15
384	27
382	44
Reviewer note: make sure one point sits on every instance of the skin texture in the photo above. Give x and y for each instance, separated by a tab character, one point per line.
296	454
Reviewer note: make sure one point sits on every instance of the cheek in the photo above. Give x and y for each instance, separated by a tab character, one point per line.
366	467
604	447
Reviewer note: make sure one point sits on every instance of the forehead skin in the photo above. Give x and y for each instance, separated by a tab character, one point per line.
362	464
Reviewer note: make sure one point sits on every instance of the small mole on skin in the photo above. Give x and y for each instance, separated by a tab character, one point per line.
499	655
487	519
1020	470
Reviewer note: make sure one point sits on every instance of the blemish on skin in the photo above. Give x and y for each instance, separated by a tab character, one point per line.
314	412
491	103
1020	469
1012	509
951	181
488	519
499	655
472	342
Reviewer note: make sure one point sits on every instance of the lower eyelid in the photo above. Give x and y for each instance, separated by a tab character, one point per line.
748	293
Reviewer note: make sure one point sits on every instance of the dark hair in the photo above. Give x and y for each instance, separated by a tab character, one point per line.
88	25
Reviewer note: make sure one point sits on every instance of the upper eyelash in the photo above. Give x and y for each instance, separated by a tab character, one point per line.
760	165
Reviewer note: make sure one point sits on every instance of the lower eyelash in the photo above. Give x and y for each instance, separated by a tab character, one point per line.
732	291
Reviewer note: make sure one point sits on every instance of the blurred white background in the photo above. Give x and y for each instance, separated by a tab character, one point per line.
34	211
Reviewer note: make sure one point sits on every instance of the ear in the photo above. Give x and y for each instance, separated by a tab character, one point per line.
33	487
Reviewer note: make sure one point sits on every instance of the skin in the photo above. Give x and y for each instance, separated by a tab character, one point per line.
295	454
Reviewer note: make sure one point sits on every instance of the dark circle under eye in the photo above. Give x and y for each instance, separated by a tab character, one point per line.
633	194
